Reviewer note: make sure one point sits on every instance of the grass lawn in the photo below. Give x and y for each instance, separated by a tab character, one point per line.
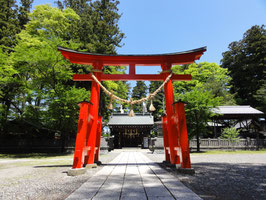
35	155
230	152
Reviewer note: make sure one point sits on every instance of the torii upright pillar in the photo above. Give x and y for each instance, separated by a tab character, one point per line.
92	132
173	139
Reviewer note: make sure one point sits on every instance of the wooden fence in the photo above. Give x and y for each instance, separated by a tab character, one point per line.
217	143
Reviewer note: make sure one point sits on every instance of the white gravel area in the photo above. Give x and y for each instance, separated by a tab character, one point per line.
218	176
224	176
39	179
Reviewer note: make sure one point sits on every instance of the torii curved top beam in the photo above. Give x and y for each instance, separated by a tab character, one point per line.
178	58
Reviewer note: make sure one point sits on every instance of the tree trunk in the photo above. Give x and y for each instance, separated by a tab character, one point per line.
5	116
63	142
197	132
198	142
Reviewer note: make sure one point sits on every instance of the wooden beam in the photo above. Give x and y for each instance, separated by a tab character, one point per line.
132	69
137	77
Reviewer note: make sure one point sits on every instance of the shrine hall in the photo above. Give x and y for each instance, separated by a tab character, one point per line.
131	131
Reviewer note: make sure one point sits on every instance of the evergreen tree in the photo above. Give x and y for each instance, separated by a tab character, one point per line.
24	10
138	92
261	97
98	29
245	61
158	100
98	32
207	89
12	21
8	23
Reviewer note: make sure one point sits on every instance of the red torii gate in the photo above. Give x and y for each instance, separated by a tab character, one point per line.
174	123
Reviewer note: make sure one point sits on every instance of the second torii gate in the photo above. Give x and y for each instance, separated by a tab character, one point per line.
174	123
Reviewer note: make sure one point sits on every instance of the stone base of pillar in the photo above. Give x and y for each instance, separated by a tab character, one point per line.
76	172
190	171
88	166
98	162
168	164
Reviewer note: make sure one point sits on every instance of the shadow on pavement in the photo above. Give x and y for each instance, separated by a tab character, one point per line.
226	181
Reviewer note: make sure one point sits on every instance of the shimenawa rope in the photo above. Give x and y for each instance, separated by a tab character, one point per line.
131	101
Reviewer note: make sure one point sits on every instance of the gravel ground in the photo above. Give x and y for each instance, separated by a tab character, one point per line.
218	176
34	179
224	176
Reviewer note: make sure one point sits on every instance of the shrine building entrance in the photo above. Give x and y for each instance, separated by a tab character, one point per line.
131	131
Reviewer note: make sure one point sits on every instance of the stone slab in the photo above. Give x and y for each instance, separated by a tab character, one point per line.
131	175
76	172
94	165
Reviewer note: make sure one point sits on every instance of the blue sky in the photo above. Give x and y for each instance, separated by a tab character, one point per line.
165	26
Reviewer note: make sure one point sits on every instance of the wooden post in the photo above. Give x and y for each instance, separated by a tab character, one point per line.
169	100
166	140
95	97
98	139
182	128
81	134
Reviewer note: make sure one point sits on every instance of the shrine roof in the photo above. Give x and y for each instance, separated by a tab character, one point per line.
236	112
124	119
184	57
227	110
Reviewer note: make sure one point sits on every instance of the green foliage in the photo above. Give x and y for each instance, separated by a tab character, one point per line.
209	76
36	81
245	61
198	109
138	92
8	22
8	86
46	96
98	29
24	10
207	90
261	97
231	134
120	89
12	21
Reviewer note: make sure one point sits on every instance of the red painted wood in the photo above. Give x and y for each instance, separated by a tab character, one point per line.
132	60
172	131
95	97
132	69
174	58
81	135
182	127
98	139
165	140
138	77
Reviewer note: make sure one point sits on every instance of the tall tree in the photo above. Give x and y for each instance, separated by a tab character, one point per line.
98	32
23	11
208	89
13	17
8	88
261	97
98	29
8	23
138	92
47	98
200	102
245	61
207	75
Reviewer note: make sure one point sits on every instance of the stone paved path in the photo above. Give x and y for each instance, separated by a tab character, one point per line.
131	175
